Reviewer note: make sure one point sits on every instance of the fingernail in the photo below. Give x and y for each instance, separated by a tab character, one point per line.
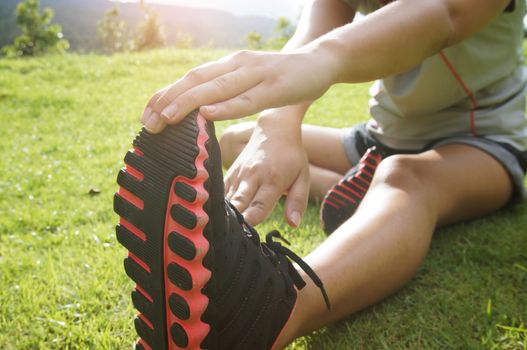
295	218
146	114
152	123
210	109
169	111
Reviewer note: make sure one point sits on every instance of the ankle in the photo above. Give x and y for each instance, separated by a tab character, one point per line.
298	324
290	330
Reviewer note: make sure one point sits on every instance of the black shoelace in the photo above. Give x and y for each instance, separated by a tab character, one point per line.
282	255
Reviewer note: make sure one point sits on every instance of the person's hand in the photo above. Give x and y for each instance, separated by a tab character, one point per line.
241	84
273	163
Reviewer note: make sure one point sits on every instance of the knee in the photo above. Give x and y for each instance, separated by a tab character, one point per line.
403	172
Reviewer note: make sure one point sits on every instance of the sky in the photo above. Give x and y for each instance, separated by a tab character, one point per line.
269	8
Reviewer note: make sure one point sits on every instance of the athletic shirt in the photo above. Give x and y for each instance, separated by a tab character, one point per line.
476	87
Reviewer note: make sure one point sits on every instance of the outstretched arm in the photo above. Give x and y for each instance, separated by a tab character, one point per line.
245	77
401	35
391	40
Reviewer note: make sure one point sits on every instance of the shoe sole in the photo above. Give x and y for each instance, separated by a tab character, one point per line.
343	199
162	203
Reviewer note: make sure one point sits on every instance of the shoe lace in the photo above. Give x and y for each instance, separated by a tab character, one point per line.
281	255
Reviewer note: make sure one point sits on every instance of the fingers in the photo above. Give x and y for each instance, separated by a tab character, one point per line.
148	109
236	79
244	195
245	103
262	204
218	89
297	198
253	199
150	119
193	78
155	123
231	181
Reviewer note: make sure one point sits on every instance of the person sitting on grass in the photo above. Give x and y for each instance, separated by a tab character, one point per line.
446	141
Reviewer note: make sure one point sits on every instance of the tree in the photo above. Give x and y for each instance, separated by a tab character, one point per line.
38	36
284	30
150	33
184	40
112	31
254	40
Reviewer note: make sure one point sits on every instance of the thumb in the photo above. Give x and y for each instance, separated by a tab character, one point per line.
297	197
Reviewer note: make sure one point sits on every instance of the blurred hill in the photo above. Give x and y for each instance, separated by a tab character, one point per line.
79	23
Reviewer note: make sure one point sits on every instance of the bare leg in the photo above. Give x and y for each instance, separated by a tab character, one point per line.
327	159
379	249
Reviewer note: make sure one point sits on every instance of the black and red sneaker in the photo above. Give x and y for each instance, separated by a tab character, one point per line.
203	278
344	198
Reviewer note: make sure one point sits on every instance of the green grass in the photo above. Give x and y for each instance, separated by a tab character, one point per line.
66	123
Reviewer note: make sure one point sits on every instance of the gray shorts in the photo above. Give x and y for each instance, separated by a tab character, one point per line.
357	140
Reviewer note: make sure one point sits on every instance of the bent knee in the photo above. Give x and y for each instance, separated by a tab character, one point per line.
402	171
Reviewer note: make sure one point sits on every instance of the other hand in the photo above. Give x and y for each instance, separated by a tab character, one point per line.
272	163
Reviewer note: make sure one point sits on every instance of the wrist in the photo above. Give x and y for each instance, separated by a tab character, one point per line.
329	54
288	116
284	121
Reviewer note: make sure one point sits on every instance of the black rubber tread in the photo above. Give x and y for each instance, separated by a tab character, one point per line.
135	161
183	216
144	331
365	182
133	243
129	182
181	161
364	177
127	210
350	185
179	307
182	246
185	191
159	158
143	305
179	276
138	275
139	347
179	336
344	199
332	217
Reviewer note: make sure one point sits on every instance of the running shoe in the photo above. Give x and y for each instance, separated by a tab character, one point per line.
343	199
203	278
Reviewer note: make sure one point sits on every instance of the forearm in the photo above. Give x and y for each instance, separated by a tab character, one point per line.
399	36
318	17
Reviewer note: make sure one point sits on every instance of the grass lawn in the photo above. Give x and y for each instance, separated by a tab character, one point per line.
65	124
